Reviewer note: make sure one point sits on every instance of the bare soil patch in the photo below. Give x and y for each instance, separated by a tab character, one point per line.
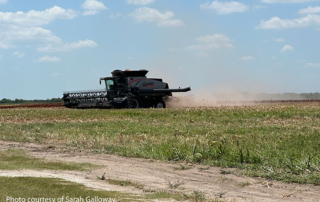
161	176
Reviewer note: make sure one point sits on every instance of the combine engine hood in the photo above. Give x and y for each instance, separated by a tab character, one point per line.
144	83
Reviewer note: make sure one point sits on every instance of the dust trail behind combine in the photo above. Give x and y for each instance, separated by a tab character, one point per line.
207	100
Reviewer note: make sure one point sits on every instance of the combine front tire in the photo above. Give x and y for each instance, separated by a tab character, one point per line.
135	103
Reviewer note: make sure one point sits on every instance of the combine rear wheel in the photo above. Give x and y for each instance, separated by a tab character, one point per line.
159	104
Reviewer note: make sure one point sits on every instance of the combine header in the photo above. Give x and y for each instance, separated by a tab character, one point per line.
125	89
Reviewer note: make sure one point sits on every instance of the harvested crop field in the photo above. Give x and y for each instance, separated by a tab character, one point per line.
216	103
247	144
47	105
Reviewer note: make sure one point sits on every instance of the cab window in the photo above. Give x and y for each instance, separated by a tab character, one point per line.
110	84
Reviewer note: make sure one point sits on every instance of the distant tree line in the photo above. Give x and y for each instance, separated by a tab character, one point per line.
267	96
21	101
290	96
287	96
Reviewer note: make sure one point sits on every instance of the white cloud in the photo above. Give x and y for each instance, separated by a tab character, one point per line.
18	54
213	38
93	7
22	28
146	14
247	58
170	23
68	46
116	15
56	74
286	48
16	35
3	1
225	7
257	7
278	39
49	59
277	23
36	18
210	42
3	45
309	64
309	10
287	1
202	54
140	2
301	60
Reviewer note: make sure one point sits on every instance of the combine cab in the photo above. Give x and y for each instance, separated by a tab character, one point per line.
125	89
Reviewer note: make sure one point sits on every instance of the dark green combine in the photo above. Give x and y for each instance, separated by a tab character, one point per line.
125	89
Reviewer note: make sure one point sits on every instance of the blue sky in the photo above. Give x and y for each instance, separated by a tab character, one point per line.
258	46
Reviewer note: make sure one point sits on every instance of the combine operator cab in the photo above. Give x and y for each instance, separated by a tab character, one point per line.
113	85
125	89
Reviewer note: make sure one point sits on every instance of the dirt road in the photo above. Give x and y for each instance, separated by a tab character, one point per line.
156	175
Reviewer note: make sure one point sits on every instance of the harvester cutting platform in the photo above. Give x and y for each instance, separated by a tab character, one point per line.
125	89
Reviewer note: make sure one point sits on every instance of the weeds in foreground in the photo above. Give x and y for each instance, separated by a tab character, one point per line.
223	178
55	188
175	185
204	168
182	167
102	177
125	183
244	184
221	194
196	196
225	172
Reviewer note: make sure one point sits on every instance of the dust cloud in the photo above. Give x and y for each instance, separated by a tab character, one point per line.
204	100
228	99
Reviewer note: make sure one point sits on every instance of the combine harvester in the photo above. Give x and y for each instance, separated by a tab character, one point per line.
125	89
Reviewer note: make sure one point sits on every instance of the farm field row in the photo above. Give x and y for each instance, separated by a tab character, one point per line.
278	141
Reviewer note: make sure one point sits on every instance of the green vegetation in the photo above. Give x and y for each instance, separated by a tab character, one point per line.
125	183
244	184
225	172
175	185
182	167
29	187
279	142
18	159
196	196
